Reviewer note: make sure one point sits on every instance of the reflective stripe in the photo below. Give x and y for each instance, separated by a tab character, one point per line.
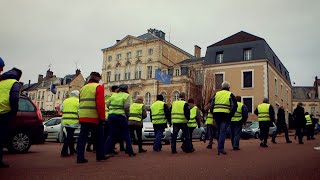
5	88
238	115
117	101
87	99
308	120
158	115
210	119
193	113
87	106
263	112
70	112
222	101
177	112
135	112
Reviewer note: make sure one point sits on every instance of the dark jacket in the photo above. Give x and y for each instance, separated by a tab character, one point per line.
271	113
244	114
281	120
15	90
299	117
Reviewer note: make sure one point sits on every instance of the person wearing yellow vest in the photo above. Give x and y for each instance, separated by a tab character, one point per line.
91	117
70	121
137	113
309	126
237	121
9	102
211	126
180	115
119	110
265	113
159	116
195	119
223	107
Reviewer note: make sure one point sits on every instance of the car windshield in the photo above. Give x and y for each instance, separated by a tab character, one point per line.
254	125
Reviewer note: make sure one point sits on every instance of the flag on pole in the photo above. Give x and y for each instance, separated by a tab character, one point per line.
53	88
162	76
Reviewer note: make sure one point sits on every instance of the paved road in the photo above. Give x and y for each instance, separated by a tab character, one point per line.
279	161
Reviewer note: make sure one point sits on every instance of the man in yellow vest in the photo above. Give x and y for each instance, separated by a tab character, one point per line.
137	113
160	116
91	116
195	119
223	107
9	103
119	110
309	126
180	115
70	120
237	121
265	113
211	126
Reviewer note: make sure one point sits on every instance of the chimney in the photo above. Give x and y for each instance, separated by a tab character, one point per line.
29	83
40	78
197	51
78	72
49	74
117	40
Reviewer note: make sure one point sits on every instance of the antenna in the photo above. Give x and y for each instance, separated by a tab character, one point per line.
76	63
49	66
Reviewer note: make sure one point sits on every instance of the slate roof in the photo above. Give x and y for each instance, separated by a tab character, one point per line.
301	92
192	60
239	37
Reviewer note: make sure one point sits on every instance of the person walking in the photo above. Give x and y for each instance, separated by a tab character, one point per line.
138	112
180	115
211	129
160	116
309	126
223	107
119	110
265	113
239	118
9	103
281	126
195	119
70	121
91	117
299	121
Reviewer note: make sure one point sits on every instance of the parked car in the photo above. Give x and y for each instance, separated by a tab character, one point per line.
26	128
198	133
54	129
256	130
148	131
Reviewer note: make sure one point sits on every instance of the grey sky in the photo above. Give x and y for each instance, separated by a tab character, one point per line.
36	33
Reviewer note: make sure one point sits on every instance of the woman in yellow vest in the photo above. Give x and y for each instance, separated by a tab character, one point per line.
137	114
70	120
309	126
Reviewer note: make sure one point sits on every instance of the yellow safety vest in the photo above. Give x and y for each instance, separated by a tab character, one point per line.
135	112
238	115
193	113
70	111
222	102
210	119
177	112
158	115
5	88
117	101
106	99
309	120
263	112
87	105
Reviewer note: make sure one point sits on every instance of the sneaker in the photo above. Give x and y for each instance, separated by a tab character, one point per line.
81	161
103	158
222	152
132	154
4	165
274	142
265	145
236	148
209	147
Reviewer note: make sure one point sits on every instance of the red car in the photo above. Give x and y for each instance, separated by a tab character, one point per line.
26	129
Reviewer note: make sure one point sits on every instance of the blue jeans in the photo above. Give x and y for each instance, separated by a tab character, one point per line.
118	130
68	142
236	130
96	131
186	146
223	121
158	132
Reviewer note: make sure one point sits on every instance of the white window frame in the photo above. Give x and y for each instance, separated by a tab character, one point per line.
135	94
118	56
127	72
287	96
252	97
139	53
275	86
219	57
149	72
242	78
175	72
108	76
117	73
247	54
224	77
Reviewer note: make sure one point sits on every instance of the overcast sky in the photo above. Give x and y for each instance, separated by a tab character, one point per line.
36	33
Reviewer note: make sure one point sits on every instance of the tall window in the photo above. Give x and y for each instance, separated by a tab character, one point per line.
109	58
139	53
148	99
117	74
281	91
127	73
138	70
175	96
118	56
42	97
149	72
108	76
41	105
150	51
219	57
247	54
135	94
39	92
275	86
247	79
218	80
248	102
58	95
287	98
176	72
128	54
164	94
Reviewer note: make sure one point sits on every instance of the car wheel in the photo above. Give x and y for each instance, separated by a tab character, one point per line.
203	136
19	142
256	135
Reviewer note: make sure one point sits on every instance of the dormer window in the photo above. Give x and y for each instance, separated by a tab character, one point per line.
247	54
219	57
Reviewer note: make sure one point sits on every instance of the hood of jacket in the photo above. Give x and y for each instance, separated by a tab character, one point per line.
11	74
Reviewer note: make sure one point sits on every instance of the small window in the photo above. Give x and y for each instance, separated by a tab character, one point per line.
26	106
42	97
139	53
248	102
108	76
117	74
149	75
176	72
109	58
247	54
219	57
127	73
218	80
118	56
281	91
128	54
58	95
247	79
276	87
150	51
41	105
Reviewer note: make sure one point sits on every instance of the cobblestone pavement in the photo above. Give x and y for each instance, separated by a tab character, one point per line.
279	161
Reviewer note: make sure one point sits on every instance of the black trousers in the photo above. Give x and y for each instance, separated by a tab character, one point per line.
68	142
191	129
138	130
281	128
299	133
310	131
264	131
4	131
